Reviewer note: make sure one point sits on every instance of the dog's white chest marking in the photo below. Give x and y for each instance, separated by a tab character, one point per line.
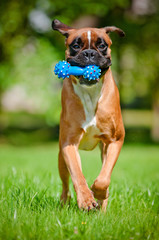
89	38
89	96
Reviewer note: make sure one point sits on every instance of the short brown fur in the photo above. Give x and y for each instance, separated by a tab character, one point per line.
108	121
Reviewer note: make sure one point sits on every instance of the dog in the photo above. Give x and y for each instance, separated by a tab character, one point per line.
91	114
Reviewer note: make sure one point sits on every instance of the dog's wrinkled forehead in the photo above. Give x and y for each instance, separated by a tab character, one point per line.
88	36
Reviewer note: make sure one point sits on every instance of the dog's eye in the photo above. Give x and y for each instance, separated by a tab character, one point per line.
76	46
102	46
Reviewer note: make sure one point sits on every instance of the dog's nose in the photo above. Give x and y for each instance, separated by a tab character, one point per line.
89	54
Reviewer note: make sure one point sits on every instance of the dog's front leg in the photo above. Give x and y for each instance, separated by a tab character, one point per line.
71	156
101	184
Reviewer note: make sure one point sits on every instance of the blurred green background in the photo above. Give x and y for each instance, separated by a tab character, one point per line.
29	49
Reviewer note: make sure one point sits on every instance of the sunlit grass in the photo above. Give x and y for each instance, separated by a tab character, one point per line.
30	188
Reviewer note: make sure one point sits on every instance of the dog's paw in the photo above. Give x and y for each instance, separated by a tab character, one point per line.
86	201
100	189
65	197
102	204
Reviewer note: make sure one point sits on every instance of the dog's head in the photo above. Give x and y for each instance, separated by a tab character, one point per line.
87	46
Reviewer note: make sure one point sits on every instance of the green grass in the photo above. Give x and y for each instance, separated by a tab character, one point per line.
30	188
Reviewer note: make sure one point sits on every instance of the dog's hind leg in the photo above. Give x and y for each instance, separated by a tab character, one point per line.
103	203
64	175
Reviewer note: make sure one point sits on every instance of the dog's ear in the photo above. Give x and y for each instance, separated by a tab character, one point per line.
61	27
115	29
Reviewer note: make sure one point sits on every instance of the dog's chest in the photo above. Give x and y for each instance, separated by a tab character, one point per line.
89	96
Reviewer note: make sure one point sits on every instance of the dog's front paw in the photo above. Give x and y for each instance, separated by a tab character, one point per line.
86	201
100	189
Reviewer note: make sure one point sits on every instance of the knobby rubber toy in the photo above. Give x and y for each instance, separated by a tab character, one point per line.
63	69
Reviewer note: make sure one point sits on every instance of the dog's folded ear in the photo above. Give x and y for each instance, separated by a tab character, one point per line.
61	27
115	29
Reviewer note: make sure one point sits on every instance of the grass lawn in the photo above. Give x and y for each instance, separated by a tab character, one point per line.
30	188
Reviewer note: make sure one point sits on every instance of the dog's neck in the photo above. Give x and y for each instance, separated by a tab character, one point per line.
90	96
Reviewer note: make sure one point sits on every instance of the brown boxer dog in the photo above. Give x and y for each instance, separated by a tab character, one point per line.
90	115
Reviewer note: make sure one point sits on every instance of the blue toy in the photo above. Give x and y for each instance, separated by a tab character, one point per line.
64	69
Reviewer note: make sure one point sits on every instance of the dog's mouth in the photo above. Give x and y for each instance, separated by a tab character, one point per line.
88	82
85	81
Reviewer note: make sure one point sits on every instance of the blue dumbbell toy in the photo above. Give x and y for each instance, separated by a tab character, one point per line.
63	69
